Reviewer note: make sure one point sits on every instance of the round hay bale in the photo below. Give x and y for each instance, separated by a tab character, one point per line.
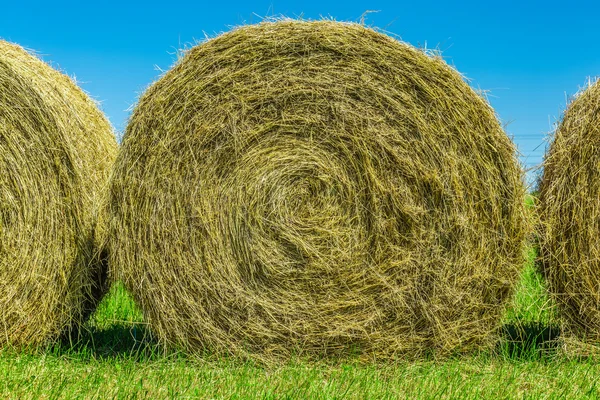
569	211
56	149
317	188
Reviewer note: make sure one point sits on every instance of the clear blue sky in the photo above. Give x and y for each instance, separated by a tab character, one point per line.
529	55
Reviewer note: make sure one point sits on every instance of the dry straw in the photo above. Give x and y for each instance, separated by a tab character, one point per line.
316	188
56	149
569	211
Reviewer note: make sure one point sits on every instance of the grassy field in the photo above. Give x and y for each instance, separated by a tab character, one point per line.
118	359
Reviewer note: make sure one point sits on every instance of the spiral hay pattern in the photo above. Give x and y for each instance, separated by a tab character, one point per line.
56	149
316	188
569	211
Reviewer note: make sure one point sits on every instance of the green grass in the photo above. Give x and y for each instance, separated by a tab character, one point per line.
531	303
119	359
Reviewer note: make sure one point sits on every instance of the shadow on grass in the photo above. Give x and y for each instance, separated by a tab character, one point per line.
133	341
529	340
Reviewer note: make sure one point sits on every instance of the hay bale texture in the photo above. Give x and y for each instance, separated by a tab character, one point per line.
316	188
569	210
56	150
